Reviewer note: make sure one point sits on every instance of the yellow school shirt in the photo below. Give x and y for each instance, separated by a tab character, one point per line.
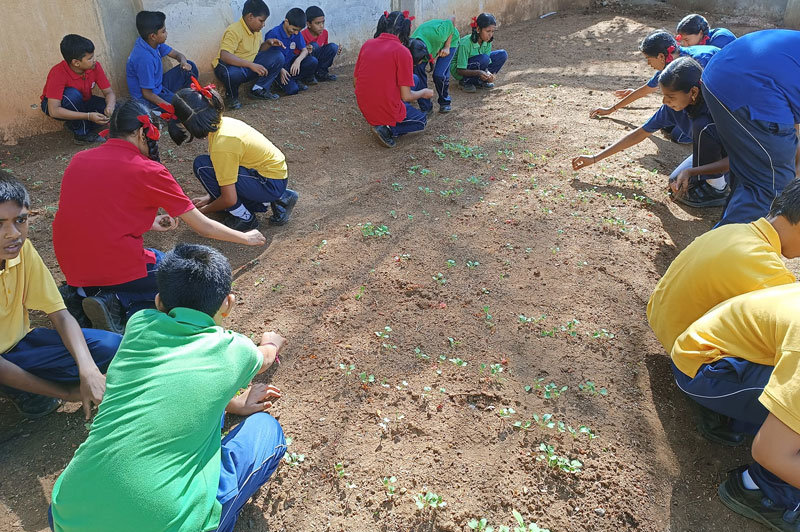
236	144
725	262
240	41
27	285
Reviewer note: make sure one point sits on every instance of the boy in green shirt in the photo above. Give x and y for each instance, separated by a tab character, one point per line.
440	38
153	459
476	64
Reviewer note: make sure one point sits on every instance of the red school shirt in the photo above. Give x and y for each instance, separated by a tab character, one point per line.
62	76
321	39
383	66
110	196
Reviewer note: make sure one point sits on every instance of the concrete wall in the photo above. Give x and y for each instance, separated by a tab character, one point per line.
771	9
195	28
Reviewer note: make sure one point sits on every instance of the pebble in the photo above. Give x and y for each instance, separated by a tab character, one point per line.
600	511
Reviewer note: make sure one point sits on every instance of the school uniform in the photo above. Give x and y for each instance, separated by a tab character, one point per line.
434	33
27	284
293	43
322	50
752	90
110	196
244	44
740	360
75	92
240	155
383	66
145	70
476	56
720	37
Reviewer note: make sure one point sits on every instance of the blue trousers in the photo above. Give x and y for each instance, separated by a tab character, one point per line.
492	62
761	156
250	454
308	67
324	56
441	80
233	76
731	387
134	295
253	190
174	80
415	121
72	100
706	146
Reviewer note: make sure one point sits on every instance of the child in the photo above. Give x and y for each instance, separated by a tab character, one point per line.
110	197
659	49
316	36
684	109
298	70
67	94
243	173
476	65
693	30
147	81
243	57
751	88
740	360
41	366
384	79
440	38
153	459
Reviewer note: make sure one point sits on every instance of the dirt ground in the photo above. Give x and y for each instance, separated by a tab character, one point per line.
424	353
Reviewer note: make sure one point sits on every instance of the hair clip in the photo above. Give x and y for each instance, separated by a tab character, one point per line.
168	111
150	130
205	91
386	14
669	53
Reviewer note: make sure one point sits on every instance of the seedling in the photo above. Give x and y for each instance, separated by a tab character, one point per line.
523	425
592	389
388	485
366	379
453	342
429	500
426	190
570	327
458	362
397	187
472	264
451	263
602	333
370	230
338	470
421	354
494	369
487	316
385	336
530	319
294	459
439	278
522	527
506	412
360	293
549	391
561	462
347	369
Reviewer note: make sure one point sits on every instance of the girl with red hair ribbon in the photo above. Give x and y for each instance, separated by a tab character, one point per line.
693	30
476	64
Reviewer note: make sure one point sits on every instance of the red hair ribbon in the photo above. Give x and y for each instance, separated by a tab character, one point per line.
104	133
150	130
406	15
705	39
474	23
168	111
205	91
678	37
669	54
430	57
386	14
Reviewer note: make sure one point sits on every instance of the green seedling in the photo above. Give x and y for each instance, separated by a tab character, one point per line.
530	319
487	316
592	389
451	263
549	391
366	379
413	169
388	485
421	354
360	293
347	369
602	333
294	459
385	336
561	462
426	190
522	527
397	187
570	327
506	412
439	278
370	230
393	214
458	362
472	264
451	192
338	470
453	342
523	425
494	369
429	500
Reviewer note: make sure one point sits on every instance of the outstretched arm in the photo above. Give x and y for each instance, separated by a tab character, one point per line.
412	96
631	139
204	226
641	92
15	377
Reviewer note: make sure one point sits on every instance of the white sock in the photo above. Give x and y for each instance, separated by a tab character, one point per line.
241	212
717	182
257	87
747	480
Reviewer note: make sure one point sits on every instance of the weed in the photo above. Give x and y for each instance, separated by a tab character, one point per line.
429	500
368	230
592	389
561	462
388	485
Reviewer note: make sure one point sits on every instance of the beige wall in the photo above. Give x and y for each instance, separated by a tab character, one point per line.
195	28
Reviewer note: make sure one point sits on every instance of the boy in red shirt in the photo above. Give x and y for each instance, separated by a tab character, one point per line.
383	79
316	37
67	94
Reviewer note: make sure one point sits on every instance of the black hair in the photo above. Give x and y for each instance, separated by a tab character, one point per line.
787	204
257	8
484	20
194	276
683	74
149	22
394	23
75	47
419	51
658	42
125	120
314	12
14	191
196	115
692	25
296	17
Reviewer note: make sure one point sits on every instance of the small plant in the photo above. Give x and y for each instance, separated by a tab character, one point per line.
388	485
439	278
549	391
523	425
366	379
472	264
487	316
397	187
561	462
385	336
451	263
522	527
429	500
360	293
294	459
458	362
506	412
453	342
368	229
570	327
426	190
338	470
592	389
421	354
347	369
530	319
602	333
481	525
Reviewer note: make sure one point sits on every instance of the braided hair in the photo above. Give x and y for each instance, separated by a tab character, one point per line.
197	113
125	121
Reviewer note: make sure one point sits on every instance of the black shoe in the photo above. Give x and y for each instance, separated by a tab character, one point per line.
753	505
31	405
384	134
240	224
704	195
106	312
311	81
282	209
302	86
445	108
232	103
74	304
485	85
263	94
467	87
326	77
716	427
89	138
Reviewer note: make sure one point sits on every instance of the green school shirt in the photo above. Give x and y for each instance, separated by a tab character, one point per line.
152	458
467	49
434	34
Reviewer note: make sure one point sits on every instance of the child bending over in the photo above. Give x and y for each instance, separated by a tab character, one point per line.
693	30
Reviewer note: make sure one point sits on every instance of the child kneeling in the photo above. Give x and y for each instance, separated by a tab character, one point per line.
153	459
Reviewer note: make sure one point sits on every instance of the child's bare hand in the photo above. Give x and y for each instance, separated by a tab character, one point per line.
109	111
582	161
444	52
623	93
164	222
258	69
680	185
254	238
427	93
295	68
276	341
201	201
601	111
276	42
284	76
257	398
98	118
340	50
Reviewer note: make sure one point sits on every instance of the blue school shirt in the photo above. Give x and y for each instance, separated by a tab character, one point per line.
760	71
144	69
295	42
666	117
720	37
702	54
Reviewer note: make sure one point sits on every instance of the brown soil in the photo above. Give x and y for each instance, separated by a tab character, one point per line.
489	183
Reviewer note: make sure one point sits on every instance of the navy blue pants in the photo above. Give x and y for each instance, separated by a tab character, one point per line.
253	190
731	387
762	158
72	100
43	353
324	56
414	121
492	62
706	145
308	67
441	80
233	76
173	80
